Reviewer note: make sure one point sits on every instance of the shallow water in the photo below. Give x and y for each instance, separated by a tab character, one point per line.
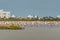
32	33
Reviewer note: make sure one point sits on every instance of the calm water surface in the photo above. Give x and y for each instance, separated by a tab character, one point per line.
32	33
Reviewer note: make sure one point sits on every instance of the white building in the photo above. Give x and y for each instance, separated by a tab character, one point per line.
30	16
4	14
13	16
58	16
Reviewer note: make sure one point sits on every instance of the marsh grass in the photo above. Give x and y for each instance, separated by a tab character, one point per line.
12	27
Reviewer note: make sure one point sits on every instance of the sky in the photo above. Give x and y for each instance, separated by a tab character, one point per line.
23	8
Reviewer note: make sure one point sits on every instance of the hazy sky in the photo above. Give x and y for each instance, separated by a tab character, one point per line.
23	8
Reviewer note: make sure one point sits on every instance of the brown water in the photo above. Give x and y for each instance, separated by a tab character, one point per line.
32	33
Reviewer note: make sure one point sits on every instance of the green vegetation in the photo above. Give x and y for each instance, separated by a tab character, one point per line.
11	27
18	19
31	19
50	19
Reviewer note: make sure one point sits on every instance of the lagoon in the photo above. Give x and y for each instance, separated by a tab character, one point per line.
36	32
